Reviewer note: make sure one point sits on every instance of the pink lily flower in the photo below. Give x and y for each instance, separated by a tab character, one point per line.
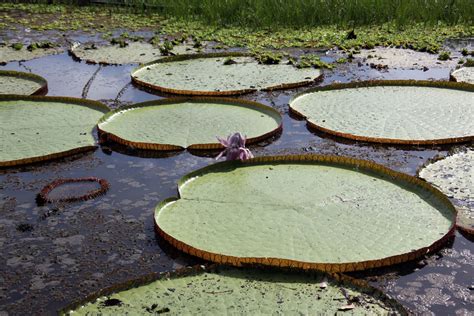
234	147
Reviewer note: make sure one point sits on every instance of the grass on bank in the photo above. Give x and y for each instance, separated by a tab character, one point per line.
421	36
304	13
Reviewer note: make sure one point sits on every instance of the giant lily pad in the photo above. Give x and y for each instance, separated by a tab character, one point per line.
454	176
464	74
311	212
207	74
230	291
41	128
23	83
180	123
399	112
134	52
8	54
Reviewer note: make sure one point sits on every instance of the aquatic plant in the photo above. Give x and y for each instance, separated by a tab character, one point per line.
180	123
305	212
229	61
267	57
469	62
444	56
220	290
62	126
184	75
348	110
119	41
234	147
418	33
17	46
44	196
166	48
312	60
22	83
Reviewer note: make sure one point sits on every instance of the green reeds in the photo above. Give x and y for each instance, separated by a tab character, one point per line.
303	13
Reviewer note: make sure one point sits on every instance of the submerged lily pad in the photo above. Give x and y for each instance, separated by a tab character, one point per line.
211	74
312	212
22	83
72	190
230	291
134	52
398	112
41	128
173	124
465	74
8	54
454	176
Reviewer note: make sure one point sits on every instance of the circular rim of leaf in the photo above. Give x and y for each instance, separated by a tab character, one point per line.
209	146
377	83
97	61
211	93
43	196
43	89
459	223
453	76
328	267
338	278
76	101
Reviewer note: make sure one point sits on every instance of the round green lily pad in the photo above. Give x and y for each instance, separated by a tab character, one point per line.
22	83
42	128
8	54
398	112
134	52
174	124
209	74
454	176
465	74
311	212
230	291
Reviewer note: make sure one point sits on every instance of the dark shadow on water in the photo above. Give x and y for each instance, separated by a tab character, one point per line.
110	147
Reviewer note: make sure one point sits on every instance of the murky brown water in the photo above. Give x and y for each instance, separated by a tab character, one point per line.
54	254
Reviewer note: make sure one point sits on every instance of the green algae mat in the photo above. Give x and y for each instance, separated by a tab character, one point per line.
210	74
134	52
312	212
230	291
22	83
397	112
40	128
454	176
194	123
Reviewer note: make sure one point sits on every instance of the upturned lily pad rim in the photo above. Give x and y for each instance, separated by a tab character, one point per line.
377	83
146	279
43	89
459	224
344	162
211	93
95	105
169	147
43	196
